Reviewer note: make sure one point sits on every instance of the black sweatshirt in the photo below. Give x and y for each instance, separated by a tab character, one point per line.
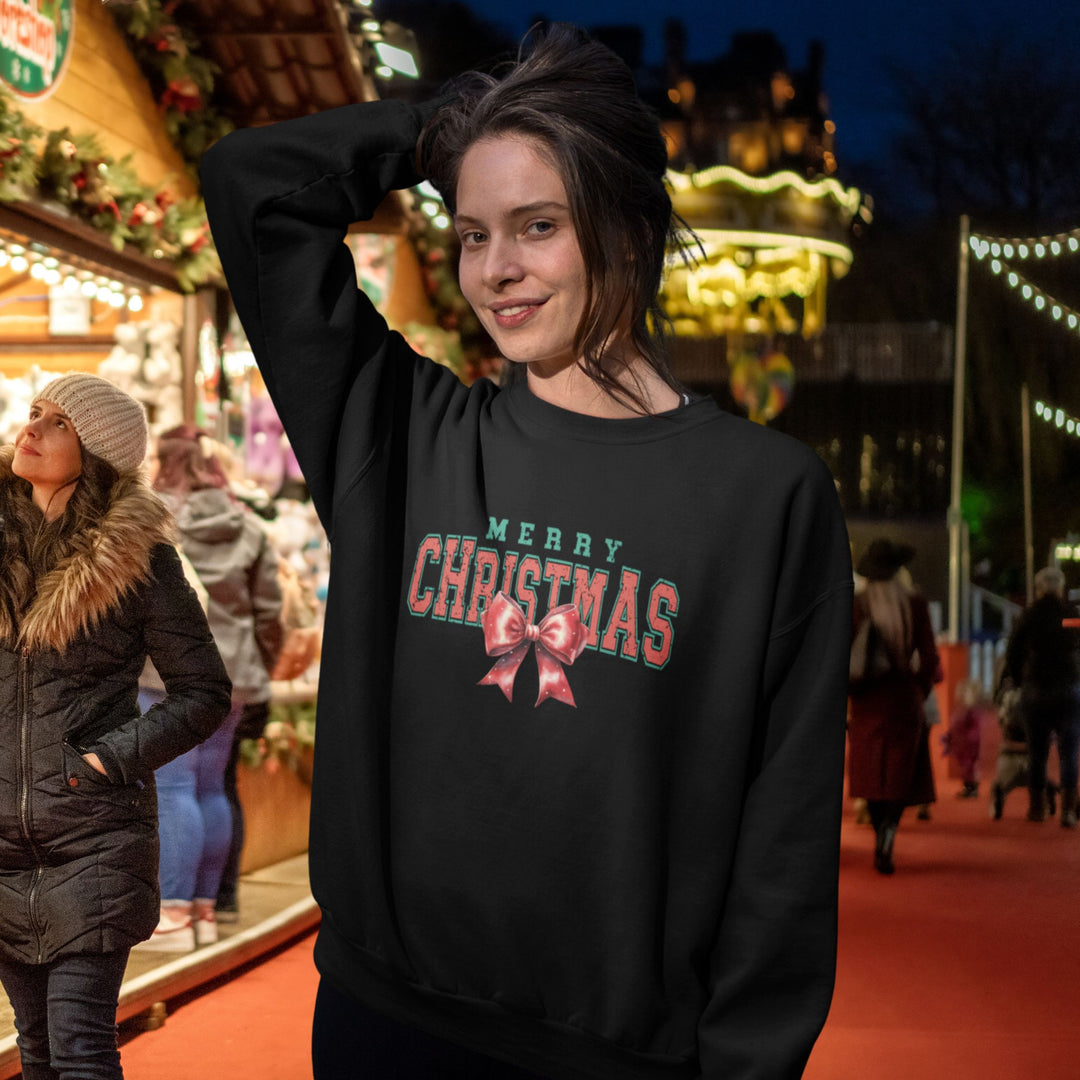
580	739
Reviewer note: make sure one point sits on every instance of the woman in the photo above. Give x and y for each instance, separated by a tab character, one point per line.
90	585
620	860
229	551
889	751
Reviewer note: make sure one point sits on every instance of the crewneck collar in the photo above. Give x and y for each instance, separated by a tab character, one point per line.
542	416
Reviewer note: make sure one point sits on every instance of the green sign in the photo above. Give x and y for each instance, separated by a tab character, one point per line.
35	44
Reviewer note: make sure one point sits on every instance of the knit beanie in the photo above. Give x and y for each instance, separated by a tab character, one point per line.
109	423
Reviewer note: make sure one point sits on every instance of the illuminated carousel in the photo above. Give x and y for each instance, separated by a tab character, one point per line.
764	249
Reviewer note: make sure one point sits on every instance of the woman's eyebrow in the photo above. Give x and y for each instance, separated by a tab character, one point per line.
517	211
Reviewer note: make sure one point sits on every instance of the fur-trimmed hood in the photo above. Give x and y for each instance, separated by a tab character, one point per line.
99	568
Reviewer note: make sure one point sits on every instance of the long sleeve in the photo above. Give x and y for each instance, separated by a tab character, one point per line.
197	689
266	605
773	964
279	200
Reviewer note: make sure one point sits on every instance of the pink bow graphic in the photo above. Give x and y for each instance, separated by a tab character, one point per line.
560	638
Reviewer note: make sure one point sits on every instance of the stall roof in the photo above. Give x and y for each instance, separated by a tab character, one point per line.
281	59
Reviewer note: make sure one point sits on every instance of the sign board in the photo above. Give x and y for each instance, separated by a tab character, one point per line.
69	313
36	42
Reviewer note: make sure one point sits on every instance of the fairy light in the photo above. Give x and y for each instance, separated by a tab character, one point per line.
1059	311
1058	418
43	264
1030	247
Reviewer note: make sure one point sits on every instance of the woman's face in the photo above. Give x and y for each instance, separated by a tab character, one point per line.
521	267
47	450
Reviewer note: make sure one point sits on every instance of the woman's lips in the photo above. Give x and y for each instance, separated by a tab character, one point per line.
510	316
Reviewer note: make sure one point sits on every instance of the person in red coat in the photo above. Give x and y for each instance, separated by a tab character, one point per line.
888	745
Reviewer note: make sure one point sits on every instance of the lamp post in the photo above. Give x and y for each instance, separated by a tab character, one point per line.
955	519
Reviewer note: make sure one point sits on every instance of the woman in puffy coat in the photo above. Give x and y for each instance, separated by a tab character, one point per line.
90	585
888	742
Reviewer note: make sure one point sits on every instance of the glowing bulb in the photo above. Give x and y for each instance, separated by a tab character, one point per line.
37	271
1040	251
1008	249
1055	248
1056	312
103	292
135	302
1022	250
19	264
71	283
52	276
995	250
1059	418
995	265
88	287
442	221
1014	280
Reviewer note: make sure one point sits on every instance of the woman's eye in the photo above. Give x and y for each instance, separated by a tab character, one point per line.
472	238
541	228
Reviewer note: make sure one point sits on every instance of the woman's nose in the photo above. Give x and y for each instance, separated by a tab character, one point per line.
501	264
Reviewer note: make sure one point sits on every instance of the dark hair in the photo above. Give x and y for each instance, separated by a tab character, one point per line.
32	546
183	466
578	100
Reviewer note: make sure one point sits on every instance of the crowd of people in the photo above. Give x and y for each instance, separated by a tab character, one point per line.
633	873
894	668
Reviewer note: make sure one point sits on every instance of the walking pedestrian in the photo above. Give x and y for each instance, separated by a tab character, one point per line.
622	861
1043	660
889	753
90	585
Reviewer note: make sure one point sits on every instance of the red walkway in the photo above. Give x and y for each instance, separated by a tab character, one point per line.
963	966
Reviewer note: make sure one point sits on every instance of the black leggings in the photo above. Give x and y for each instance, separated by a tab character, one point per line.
352	1042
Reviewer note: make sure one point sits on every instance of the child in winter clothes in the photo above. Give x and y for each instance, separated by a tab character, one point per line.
963	739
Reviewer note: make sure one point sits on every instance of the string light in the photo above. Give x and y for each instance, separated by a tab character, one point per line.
1040	300
1059	418
847	198
1032	247
45	267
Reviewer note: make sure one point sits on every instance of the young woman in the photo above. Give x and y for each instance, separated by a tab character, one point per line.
618	858
889	756
90	585
233	559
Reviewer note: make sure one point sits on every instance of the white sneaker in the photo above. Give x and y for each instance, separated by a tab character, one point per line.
174	932
204	921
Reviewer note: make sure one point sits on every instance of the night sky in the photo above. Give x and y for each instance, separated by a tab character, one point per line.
858	39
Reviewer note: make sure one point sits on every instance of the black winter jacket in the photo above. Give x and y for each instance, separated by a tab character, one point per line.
78	850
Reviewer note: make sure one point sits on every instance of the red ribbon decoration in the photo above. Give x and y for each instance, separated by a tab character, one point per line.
559	637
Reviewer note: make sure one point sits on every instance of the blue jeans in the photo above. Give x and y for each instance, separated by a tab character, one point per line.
1047	714
65	1014
194	816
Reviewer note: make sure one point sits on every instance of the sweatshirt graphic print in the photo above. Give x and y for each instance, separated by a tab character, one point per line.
553	600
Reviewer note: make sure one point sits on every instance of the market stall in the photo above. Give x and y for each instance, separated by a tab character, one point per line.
102	236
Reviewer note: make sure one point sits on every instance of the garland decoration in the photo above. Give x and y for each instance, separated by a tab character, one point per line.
181	79
75	172
18	166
